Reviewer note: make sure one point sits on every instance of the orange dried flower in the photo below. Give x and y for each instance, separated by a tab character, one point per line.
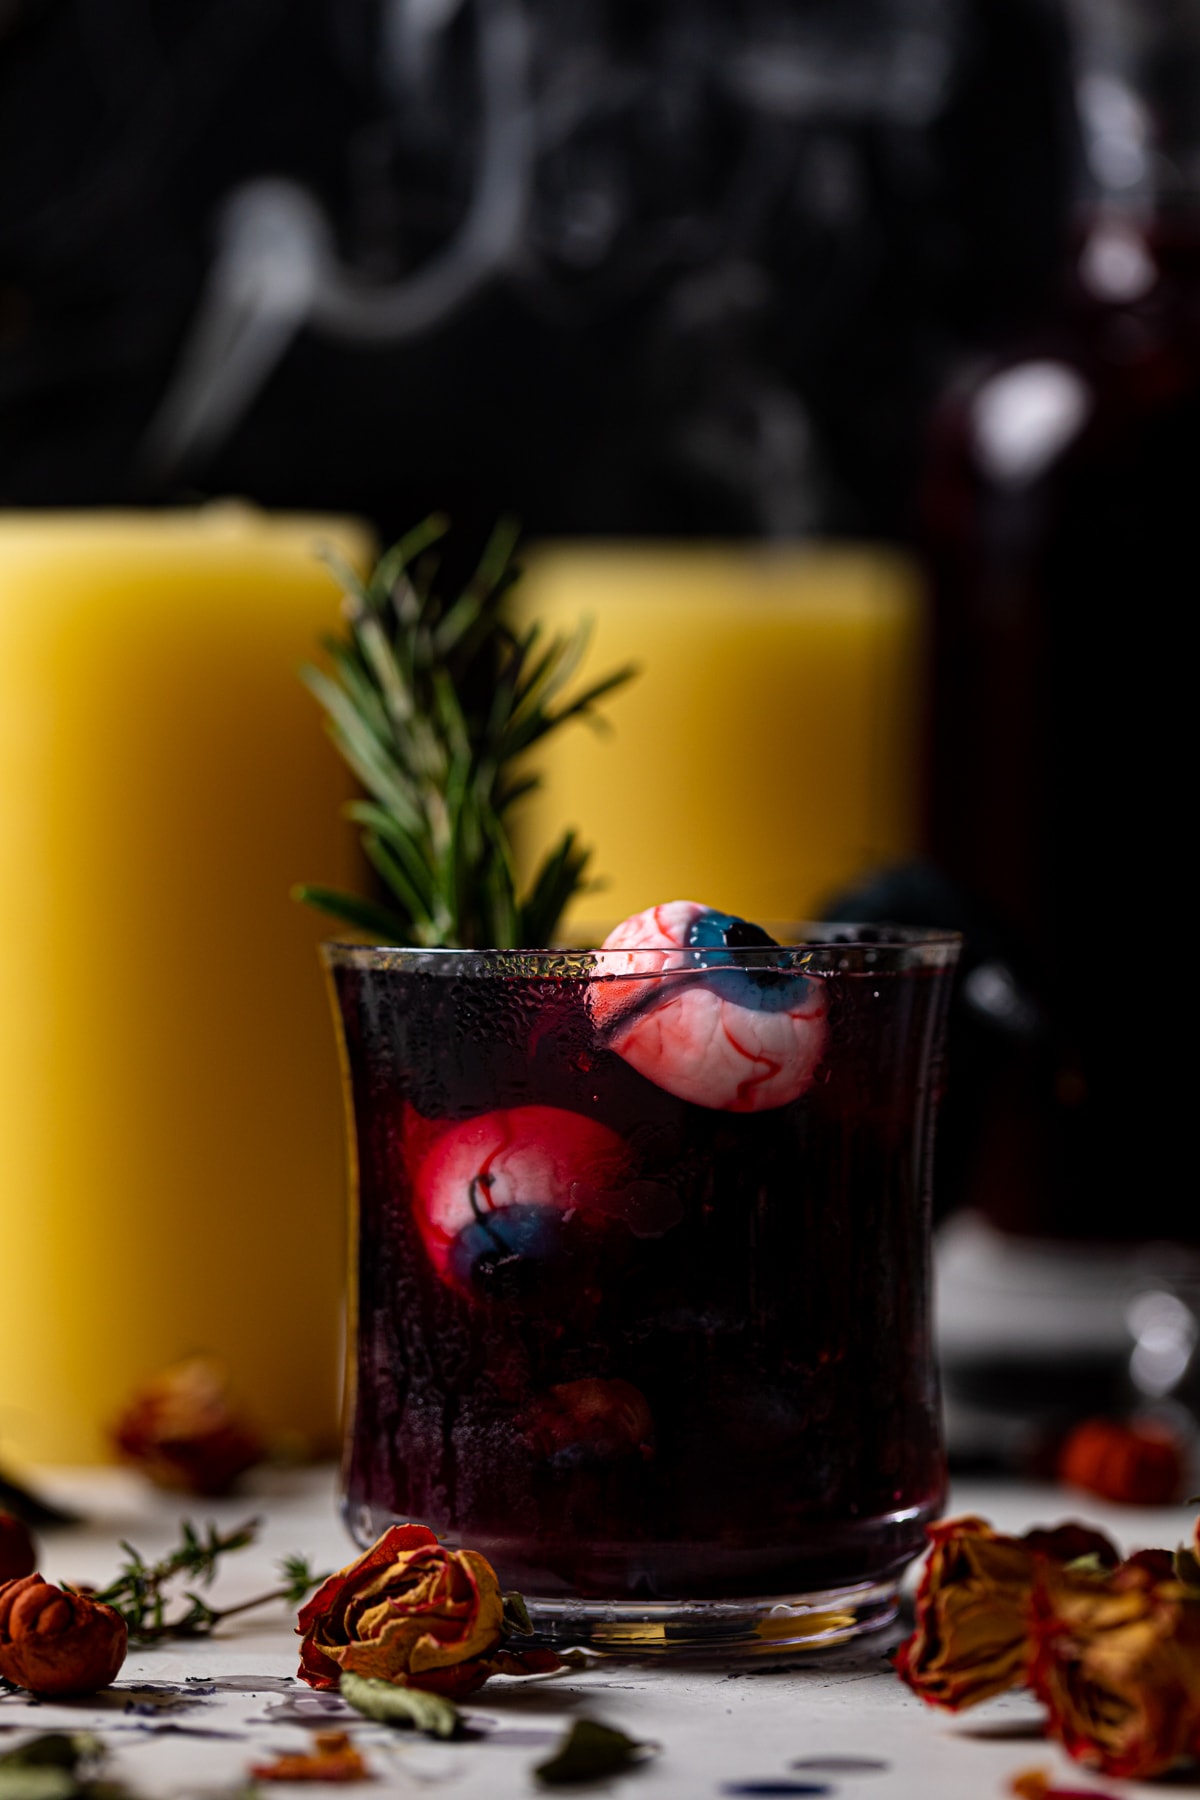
973	1637
332	1758
185	1430
1139	1462
1118	1666
1035	1784
55	1643
18	1553
407	1611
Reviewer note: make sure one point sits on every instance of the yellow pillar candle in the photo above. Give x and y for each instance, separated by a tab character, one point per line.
170	1133
768	751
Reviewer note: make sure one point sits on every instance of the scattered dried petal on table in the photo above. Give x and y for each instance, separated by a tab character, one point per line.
332	1758
1035	1784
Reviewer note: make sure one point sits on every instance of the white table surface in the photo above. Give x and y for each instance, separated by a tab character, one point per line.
720	1727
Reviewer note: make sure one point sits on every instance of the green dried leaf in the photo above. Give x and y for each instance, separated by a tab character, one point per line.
516	1615
590	1750
52	1766
53	1750
37	1783
1187	1567
1087	1565
409	1708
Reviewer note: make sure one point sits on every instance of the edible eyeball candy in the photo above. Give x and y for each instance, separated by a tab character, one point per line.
732	1038
504	1185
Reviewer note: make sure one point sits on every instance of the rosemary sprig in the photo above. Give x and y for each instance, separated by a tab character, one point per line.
142	1591
434	705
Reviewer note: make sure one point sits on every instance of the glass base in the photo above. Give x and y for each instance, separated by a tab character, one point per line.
752	1627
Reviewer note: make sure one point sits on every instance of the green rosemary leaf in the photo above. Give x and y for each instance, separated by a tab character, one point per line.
375	767
384	859
590	1750
403	554
429	700
530	730
508	793
345	576
450	716
551	672
380	823
493	565
350	671
394	683
559	876
407	1707
365	915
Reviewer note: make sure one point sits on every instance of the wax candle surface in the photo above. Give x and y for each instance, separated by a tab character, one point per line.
170	1134
767	752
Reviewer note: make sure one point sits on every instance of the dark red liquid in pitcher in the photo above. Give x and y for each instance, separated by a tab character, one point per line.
626	1345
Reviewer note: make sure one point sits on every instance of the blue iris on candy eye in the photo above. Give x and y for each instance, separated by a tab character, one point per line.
506	1248
725	931
761	990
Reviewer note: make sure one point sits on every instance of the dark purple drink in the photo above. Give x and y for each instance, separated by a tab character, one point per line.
635	1348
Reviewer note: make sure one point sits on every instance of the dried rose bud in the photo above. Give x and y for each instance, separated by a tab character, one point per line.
1139	1462
184	1429
1118	1666
18	1554
55	1643
406	1611
974	1635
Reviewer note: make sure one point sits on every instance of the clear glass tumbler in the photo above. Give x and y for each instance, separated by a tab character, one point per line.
641	1275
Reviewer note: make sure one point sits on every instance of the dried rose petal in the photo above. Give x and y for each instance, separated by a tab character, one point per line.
332	1758
1035	1784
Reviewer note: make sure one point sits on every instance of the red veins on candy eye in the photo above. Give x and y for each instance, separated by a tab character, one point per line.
717	1042
521	1155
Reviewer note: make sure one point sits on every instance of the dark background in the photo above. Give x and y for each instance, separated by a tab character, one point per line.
739	249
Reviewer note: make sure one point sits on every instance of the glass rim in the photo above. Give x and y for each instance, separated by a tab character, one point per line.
810	948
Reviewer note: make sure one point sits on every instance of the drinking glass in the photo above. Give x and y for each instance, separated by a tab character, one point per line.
640	1275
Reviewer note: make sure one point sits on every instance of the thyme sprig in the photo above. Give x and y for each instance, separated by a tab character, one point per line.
434	703
143	1592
